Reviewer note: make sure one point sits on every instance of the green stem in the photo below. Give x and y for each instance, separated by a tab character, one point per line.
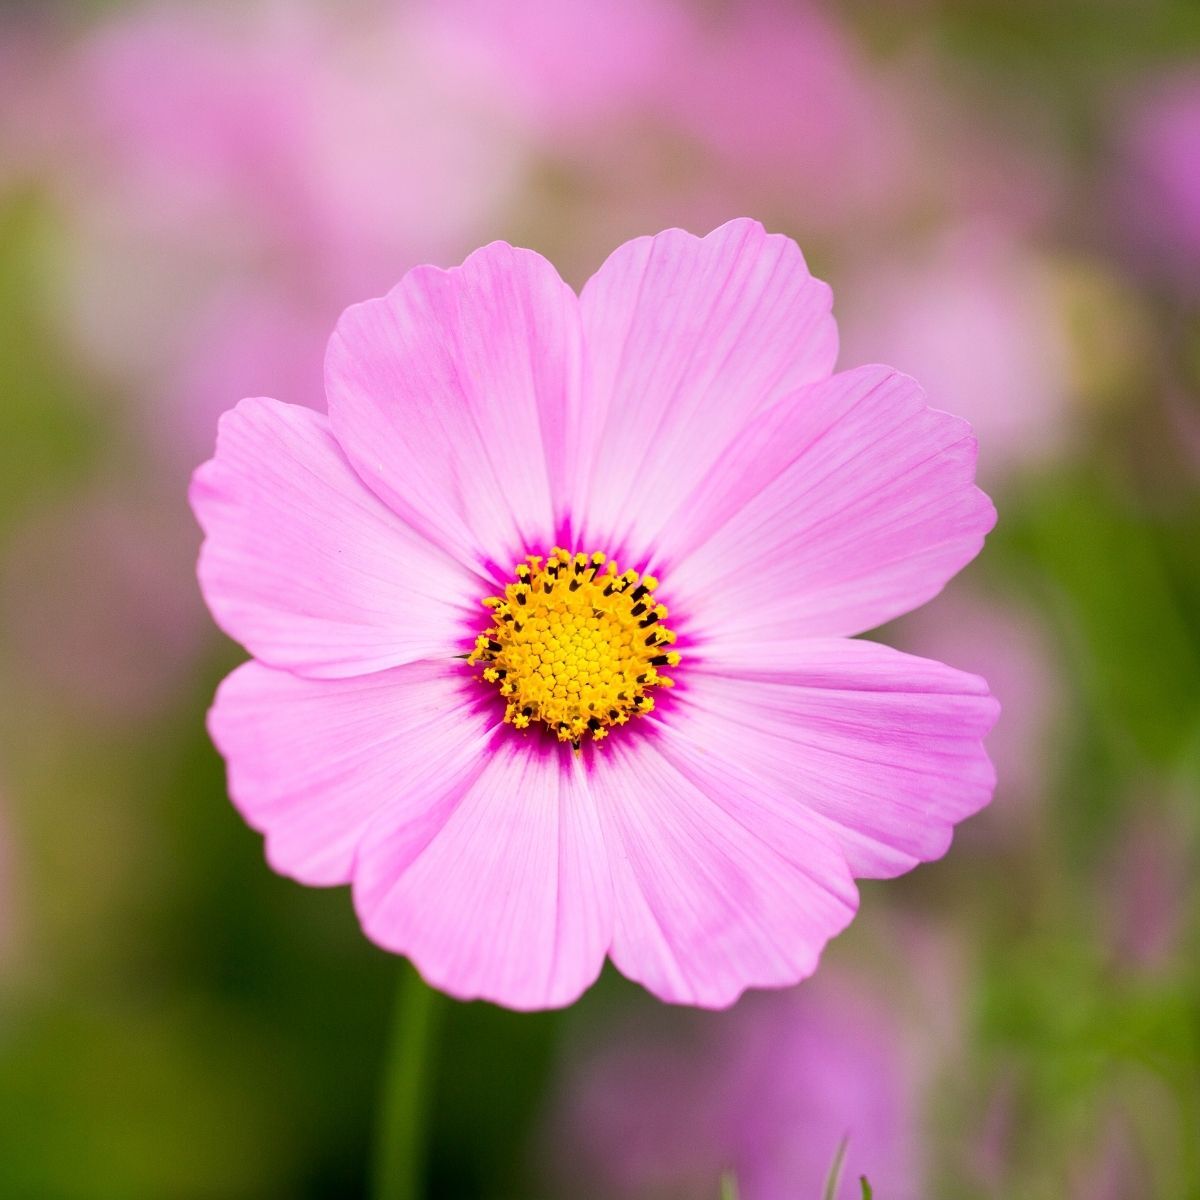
399	1167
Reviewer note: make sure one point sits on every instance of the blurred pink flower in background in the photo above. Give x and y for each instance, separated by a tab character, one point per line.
1156	186
973	315
263	151
674	113
334	137
776	91
568	67
784	101
768	1089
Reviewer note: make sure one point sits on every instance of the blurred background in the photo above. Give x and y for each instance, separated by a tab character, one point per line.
1005	195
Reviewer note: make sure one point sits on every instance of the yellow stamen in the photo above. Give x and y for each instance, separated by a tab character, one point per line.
575	643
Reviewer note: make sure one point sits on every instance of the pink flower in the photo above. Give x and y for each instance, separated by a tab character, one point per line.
679	416
567	66
780	94
1157	185
339	143
658	1109
250	152
974	317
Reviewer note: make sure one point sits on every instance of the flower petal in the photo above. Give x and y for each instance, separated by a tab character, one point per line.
310	761
715	891
449	396
510	900
887	748
304	565
849	504
686	338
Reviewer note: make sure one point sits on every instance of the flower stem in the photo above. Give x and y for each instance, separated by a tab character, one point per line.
399	1166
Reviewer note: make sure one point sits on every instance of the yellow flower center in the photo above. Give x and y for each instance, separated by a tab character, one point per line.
575	643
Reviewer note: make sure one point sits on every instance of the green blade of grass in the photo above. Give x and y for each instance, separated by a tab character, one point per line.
835	1171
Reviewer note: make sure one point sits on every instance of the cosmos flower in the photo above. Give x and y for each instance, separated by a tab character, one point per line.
552	620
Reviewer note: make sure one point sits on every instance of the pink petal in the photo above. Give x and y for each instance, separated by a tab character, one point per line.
509	900
851	503
887	748
305	566
310	761
687	338
715	890
449	397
